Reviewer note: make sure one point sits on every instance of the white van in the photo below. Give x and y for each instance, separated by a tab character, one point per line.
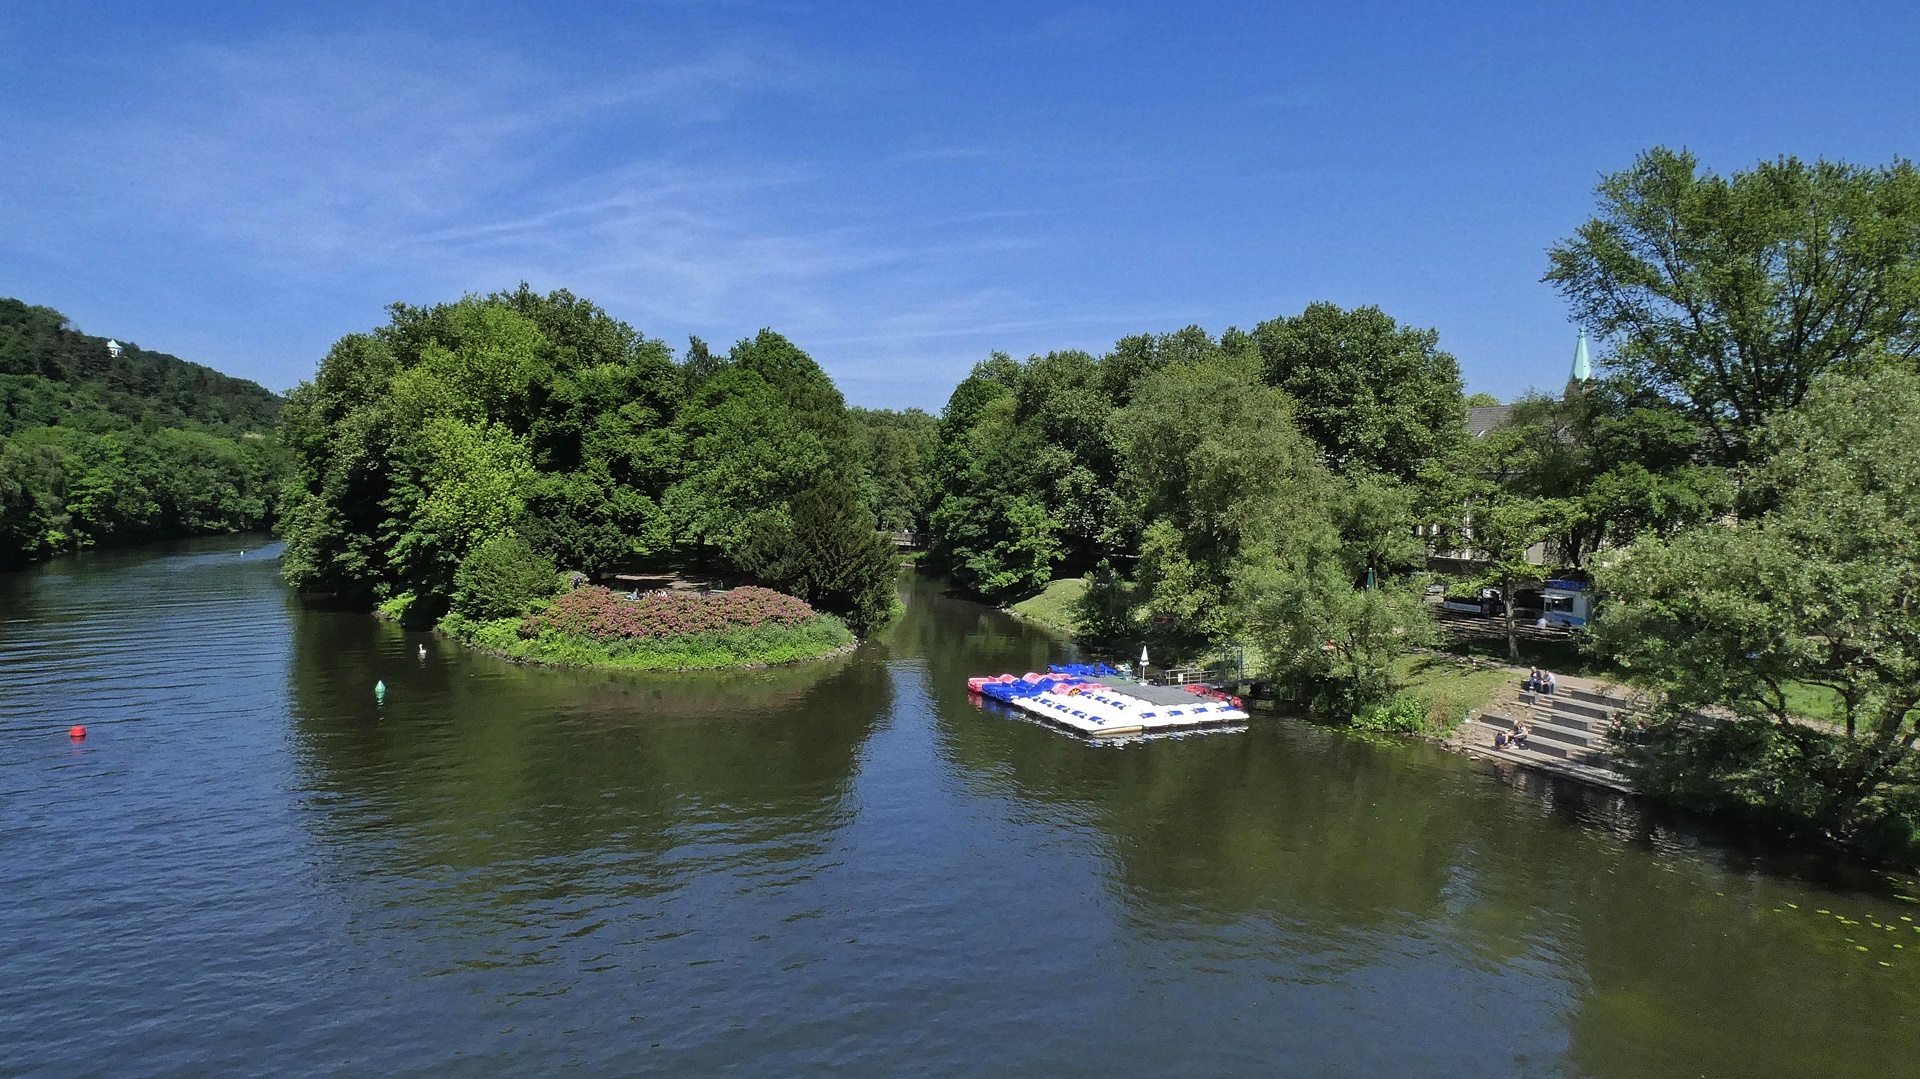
1566	603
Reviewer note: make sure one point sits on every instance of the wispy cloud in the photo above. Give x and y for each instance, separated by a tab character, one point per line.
347	164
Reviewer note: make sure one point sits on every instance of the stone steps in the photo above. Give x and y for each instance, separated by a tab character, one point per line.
1571	731
1552	741
1587	767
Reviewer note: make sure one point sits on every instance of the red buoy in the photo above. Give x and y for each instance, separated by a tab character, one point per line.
77	733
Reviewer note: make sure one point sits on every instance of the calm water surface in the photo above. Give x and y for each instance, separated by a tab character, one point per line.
250	866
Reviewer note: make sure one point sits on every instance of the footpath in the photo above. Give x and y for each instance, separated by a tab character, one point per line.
1570	728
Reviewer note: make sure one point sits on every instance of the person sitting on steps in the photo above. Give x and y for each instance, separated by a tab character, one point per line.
1513	739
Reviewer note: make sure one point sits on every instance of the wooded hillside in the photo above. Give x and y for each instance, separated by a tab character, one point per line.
103	446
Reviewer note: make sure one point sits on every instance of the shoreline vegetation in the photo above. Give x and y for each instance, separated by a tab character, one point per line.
824	638
105	444
475	461
1722	499
594	627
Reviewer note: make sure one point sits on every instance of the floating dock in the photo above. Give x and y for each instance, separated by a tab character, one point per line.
1091	699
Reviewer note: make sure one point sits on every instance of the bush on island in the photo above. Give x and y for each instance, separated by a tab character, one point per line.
502	577
605	615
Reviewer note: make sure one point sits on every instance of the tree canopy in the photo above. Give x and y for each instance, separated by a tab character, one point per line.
1818	585
1730	295
1378	396
1179	472
105	447
542	419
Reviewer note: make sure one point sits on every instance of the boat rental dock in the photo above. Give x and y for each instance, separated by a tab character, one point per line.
1095	701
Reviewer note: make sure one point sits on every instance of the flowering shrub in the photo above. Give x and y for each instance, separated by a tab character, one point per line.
606	615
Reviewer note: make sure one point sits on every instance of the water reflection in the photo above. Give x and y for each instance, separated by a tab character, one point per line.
546	812
843	867
1316	858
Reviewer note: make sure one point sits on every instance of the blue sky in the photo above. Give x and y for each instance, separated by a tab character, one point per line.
901	189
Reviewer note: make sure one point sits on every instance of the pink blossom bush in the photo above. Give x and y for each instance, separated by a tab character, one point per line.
606	615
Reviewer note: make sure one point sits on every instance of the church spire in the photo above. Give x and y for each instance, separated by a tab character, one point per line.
1582	367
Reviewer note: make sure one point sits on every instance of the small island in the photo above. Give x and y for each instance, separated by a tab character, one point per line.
486	467
593	626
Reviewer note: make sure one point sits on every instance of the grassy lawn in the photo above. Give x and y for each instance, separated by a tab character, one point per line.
1054	606
1449	689
1813	702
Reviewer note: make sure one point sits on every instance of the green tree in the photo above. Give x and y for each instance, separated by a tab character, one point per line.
1818	585
746	453
1500	526
1626	463
825	549
503	576
1216	466
1250	537
1377	396
1730	295
895	451
1320	632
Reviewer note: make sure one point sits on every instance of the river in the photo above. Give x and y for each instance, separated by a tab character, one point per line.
250	865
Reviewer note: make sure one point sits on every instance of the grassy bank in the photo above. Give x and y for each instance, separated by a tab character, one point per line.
1056	606
1436	694
760	646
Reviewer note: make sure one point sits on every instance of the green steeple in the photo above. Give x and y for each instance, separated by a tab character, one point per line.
1582	367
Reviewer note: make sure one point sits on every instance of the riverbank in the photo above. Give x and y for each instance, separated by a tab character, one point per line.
1054	607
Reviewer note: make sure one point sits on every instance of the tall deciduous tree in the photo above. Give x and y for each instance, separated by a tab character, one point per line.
1730	295
1216	466
1819	585
541	417
1251	538
1376	395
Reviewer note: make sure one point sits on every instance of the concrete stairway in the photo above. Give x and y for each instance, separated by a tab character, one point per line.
1570	731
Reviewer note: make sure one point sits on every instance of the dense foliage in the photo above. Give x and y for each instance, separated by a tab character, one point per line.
1817	586
824	549
1730	295
1377	396
1623	462
503	576
896	451
1191	487
539	416
606	615
99	448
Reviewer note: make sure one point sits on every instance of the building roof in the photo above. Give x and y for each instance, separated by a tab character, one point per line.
1484	418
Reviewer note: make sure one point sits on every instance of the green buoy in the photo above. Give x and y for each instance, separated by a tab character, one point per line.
380	692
